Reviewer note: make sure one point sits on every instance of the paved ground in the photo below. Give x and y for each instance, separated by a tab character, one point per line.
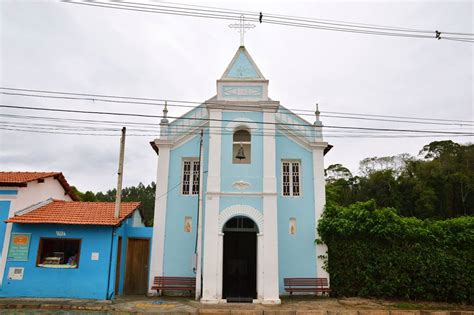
170	305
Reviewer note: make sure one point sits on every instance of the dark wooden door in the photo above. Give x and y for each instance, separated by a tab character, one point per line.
136	267
240	266
119	261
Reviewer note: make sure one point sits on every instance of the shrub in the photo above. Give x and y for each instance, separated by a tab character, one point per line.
376	253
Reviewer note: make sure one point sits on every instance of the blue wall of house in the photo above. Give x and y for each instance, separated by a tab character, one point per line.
297	253
180	245
89	280
4	210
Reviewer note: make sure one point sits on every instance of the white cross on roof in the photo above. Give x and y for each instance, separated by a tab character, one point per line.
242	27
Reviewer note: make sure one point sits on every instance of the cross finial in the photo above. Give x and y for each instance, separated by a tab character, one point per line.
242	26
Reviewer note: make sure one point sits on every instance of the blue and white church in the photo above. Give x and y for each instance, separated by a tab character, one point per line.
240	190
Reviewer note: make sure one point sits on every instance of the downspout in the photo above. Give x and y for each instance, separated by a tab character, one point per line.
107	295
198	246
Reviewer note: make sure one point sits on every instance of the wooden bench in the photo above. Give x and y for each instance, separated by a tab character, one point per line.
316	285
174	284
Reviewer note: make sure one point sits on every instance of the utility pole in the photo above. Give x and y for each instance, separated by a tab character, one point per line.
199	225
118	196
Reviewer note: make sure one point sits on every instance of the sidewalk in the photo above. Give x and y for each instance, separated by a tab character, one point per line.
170	305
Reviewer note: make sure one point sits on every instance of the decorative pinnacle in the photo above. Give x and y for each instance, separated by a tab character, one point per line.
164	120
317	113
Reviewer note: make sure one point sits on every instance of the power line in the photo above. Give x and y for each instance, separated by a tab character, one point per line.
154	127
226	14
218	130
152	102
314	19
23	129
221	120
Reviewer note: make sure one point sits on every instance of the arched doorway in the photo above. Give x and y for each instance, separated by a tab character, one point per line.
239	270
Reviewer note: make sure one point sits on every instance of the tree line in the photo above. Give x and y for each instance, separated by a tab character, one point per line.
438	183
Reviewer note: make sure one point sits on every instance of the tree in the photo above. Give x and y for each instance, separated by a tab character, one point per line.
438	184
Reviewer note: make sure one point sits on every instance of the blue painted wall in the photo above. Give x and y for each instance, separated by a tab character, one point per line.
180	245
253	201
89	280
4	209
297	253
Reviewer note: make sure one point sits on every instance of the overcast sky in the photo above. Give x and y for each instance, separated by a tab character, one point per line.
52	45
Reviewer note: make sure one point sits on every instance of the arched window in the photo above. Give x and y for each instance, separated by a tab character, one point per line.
241	147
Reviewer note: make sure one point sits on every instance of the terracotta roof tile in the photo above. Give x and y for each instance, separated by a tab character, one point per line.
22	178
76	212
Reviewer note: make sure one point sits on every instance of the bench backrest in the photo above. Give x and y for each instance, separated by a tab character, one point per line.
306	282
174	281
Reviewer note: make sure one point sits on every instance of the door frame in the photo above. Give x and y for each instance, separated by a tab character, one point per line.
148	262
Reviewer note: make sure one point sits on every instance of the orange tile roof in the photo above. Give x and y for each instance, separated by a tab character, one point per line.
24	177
76	212
18	179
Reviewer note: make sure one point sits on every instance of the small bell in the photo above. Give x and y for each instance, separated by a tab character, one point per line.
240	154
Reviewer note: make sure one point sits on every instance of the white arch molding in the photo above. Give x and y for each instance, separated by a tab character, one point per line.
241	210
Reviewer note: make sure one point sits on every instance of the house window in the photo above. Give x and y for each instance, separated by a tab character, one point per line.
241	143
291	178
190	184
58	253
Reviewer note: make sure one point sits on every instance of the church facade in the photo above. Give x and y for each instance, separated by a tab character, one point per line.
240	190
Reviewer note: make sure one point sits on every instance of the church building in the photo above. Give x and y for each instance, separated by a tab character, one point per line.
240	190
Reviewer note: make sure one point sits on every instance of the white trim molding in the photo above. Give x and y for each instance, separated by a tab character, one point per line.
241	210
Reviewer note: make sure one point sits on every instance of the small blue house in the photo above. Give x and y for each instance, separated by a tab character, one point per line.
73	249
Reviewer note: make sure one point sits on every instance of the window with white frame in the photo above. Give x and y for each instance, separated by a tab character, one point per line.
190	182
291	178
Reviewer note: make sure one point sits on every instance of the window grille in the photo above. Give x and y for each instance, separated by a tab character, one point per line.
190	182
291	178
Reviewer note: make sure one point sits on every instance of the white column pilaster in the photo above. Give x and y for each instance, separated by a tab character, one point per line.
210	273
159	221
270	213
319	203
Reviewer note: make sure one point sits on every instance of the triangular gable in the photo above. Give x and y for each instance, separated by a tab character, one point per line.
242	67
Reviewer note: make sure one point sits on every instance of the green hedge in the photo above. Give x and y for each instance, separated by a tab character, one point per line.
376	253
